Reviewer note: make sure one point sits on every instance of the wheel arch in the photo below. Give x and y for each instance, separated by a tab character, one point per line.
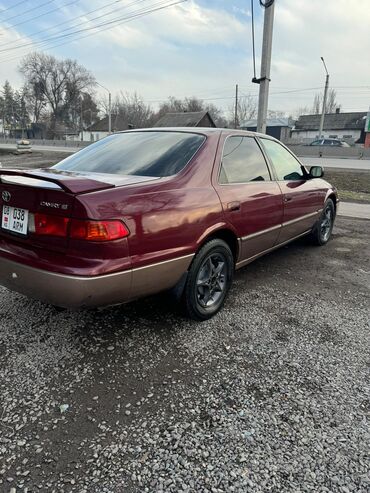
227	235
333	196
221	232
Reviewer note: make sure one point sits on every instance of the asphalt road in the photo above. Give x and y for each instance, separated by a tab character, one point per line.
342	163
271	395
55	148
350	209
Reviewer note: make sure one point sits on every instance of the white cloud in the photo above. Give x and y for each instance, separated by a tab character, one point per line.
8	65
336	29
191	49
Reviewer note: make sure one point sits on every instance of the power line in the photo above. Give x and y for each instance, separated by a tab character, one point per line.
13	6
253	47
41	15
29	10
115	22
66	22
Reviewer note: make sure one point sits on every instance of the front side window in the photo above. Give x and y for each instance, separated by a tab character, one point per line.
287	167
242	161
156	154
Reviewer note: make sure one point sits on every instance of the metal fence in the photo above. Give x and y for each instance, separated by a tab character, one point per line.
47	142
327	151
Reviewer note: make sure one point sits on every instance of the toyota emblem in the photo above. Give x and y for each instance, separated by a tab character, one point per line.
6	196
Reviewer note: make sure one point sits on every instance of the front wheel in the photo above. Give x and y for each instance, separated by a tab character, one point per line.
324	227
209	280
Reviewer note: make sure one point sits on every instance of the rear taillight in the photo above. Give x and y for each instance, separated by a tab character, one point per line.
48	225
97	230
45	224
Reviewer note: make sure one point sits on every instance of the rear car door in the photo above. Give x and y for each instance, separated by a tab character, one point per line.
302	199
251	200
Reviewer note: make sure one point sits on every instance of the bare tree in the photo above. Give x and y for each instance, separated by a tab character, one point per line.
247	110
190	104
331	103
303	110
57	82
35	100
133	109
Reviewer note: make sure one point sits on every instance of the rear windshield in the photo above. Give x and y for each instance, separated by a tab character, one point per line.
136	153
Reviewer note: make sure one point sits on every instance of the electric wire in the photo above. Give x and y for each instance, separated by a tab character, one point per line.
266	4
65	22
253	44
29	10
71	27
41	15
115	22
58	35
13	6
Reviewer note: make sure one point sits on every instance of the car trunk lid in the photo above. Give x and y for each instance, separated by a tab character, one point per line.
28	195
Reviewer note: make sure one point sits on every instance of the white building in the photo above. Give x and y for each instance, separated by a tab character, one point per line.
344	126
100	129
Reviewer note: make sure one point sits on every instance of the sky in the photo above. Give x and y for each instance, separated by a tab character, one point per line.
198	48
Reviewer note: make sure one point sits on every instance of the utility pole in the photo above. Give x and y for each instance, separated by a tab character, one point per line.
324	99
109	107
236	106
264	80
81	121
110	113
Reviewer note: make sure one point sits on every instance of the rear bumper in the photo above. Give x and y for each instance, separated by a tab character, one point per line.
78	292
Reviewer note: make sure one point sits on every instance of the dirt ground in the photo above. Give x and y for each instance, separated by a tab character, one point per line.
36	159
271	395
353	186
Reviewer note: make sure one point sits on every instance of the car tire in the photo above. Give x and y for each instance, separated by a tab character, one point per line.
208	281
321	233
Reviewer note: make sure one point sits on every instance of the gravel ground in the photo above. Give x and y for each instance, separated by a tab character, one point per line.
269	396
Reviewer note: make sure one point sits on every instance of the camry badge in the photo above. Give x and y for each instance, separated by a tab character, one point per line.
6	196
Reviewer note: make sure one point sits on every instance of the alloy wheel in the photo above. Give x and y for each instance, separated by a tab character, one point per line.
326	224
211	280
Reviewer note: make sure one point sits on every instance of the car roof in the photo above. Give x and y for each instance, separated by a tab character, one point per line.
200	130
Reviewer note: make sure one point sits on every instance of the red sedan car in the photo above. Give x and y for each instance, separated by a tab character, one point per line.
145	211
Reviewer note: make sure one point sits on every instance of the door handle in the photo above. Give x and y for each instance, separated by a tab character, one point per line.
287	198
233	206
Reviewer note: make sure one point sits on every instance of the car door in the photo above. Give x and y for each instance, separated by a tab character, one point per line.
302	198
251	200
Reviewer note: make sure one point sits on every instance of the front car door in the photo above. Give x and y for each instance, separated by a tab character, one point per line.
251	200
302	199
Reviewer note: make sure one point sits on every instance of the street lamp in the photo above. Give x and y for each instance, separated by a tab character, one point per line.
109	108
324	99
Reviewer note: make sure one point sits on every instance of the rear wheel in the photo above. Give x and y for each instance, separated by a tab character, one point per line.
324	227
209	280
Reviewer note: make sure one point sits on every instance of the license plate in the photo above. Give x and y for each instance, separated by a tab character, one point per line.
14	220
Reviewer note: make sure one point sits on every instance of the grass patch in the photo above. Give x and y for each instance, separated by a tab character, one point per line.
352	185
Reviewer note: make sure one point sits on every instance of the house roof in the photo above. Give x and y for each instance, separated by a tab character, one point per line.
270	122
183	119
118	123
333	121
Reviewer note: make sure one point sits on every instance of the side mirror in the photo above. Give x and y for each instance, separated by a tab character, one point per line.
316	172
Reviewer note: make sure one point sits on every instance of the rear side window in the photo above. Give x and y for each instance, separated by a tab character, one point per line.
154	154
242	161
287	167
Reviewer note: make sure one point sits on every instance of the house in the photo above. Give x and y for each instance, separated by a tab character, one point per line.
280	128
345	126
186	119
100	129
